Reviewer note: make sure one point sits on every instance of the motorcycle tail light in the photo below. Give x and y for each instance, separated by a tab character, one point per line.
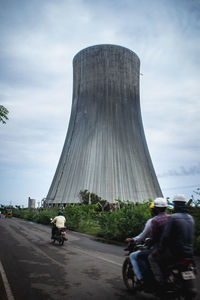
186	262
63	230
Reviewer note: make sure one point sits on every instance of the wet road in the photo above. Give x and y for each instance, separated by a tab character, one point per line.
37	269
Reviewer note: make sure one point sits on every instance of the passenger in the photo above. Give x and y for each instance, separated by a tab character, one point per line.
177	239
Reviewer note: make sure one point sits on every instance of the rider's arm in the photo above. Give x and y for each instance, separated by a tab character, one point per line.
54	220
144	233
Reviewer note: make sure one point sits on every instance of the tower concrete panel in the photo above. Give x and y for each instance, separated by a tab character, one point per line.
105	150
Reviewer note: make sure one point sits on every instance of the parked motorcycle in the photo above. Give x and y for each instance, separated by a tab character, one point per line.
179	278
59	235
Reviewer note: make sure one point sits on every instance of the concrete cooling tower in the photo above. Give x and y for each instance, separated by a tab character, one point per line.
105	150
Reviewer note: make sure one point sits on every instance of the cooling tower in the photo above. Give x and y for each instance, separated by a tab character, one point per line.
105	150
31	203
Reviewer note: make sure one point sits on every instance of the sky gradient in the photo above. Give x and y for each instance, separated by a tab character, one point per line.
38	42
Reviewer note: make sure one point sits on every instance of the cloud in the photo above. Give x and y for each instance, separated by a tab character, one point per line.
38	43
182	171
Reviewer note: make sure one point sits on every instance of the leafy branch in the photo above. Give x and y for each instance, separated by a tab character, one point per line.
3	114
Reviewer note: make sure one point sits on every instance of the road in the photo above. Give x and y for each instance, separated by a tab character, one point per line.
32	268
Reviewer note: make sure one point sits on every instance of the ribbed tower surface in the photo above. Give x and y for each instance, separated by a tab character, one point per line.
105	150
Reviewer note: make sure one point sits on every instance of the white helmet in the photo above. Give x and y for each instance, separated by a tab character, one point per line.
160	202
179	198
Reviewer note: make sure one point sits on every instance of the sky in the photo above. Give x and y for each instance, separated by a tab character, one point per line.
38	42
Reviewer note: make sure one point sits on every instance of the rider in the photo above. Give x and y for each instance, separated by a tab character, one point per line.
157	227
137	239
59	222
177	239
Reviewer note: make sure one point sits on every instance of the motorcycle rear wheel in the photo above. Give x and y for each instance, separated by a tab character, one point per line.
185	290
129	276
186	297
61	241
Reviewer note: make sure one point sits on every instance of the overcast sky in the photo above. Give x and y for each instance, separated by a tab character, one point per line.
38	42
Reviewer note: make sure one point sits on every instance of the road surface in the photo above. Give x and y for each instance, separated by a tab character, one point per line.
32	268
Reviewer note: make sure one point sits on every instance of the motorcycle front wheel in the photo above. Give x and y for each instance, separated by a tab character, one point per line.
129	276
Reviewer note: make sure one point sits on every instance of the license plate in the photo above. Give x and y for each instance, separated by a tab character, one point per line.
188	275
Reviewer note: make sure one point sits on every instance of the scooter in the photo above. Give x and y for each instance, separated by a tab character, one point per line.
179	278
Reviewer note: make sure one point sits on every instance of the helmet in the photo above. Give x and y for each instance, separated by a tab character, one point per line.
179	198
170	205
60	213
159	202
152	205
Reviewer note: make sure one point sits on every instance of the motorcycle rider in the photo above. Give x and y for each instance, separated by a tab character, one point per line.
59	222
137	239
158	224
177	239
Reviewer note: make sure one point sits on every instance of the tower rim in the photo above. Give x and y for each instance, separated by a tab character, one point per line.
102	46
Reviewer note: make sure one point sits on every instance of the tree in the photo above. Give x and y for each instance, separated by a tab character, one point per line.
3	114
196	201
84	197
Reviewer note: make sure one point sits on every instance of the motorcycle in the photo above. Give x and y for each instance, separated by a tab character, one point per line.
179	277
59	235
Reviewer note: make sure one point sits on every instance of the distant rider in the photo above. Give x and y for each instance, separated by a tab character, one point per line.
59	222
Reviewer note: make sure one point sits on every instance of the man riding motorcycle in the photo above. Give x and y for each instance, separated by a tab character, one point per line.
137	239
59	223
158	224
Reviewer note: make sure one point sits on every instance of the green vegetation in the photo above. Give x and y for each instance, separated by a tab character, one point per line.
112	222
196	214
194	210
38	215
126	219
3	114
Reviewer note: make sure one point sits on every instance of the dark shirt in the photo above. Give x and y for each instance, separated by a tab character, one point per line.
178	235
157	227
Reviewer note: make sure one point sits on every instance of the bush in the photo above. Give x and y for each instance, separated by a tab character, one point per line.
195	212
43	216
129	220
38	215
81	217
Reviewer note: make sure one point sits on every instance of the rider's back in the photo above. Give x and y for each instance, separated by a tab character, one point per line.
179	233
158	224
60	221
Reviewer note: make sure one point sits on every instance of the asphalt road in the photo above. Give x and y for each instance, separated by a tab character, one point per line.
32	268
